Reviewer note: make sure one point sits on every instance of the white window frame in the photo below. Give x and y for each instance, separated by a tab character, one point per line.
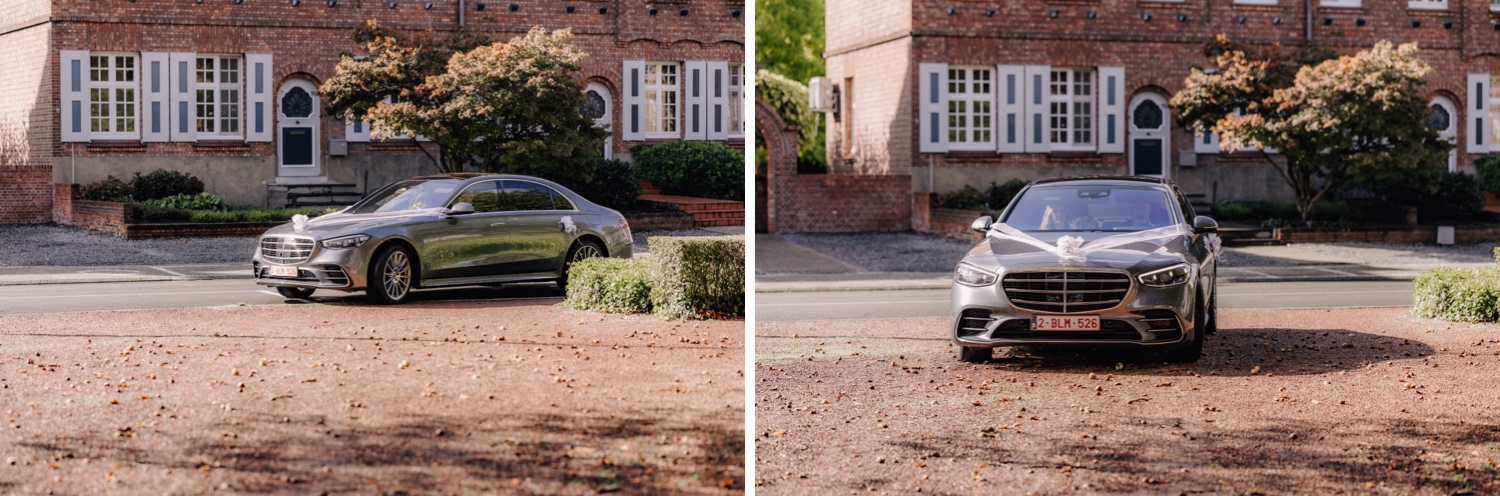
1431	4
971	107
737	100
663	92
1076	128
117	80
1258	2
225	89
1340	4
1494	5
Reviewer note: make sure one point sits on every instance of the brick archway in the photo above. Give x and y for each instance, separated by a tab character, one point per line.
781	161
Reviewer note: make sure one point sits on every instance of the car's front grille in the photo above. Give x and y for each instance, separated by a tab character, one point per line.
974	321
285	250
1066	291
1112	330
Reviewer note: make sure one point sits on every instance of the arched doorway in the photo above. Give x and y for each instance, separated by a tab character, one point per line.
298	113
781	165
1441	120
596	104
1150	135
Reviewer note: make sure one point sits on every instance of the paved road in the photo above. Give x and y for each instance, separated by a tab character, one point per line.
844	305
55	298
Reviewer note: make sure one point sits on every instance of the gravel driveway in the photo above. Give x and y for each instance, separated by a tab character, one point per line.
503	396
1360	401
64	246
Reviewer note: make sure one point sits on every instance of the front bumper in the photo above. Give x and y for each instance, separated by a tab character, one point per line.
1146	316
341	269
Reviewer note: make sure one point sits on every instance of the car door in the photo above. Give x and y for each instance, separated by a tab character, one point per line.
1200	246
541	237
468	245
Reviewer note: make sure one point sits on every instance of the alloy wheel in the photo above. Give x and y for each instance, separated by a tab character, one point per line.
397	275
585	251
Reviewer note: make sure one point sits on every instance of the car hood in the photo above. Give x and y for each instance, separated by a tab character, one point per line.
339	224
999	252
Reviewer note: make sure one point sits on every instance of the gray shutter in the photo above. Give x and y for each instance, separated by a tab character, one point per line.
155	126
1010	115
1034	91
932	124
1478	113
718	113
633	115
1112	105
182	104
695	100
75	95
1206	143
260	108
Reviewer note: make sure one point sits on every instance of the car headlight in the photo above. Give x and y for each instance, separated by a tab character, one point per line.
970	275
1170	276
346	241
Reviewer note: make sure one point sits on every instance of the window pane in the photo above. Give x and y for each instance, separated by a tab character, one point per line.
485	197
523	195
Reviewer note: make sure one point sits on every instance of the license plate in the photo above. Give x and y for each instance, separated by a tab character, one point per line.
283	271
1065	322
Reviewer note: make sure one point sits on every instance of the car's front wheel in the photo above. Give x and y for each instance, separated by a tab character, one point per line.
582	250
391	276
972	354
295	293
1192	351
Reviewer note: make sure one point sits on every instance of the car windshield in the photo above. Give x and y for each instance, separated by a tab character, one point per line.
1091	208
411	194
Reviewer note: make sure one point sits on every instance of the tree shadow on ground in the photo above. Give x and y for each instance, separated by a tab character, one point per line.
531	454
1230	352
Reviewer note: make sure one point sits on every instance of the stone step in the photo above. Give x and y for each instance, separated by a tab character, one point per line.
301	200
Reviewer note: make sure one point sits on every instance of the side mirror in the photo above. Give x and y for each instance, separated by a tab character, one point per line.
1203	224
460	208
982	224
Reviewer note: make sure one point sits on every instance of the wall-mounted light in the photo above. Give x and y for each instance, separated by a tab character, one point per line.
1181	17
296	3
1448	25
237	2
1359	22
990	12
1496	27
1276	20
479	7
683	12
200	1
1327	21
1146	17
952	11
391	4
734	13
514	7
1416	24
1093	14
603	10
1052	13
333	3
569	9
652	11
427	6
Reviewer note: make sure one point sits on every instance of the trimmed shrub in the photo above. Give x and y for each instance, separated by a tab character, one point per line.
614	285
1489	173
1000	195
789	98
162	183
1459	294
693	168
967	198
1459	197
200	201
698	277
158	213
214	216
110	189
615	185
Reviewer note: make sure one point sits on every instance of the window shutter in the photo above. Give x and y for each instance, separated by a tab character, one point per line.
182	105
154	124
1111	110
1035	95
634	99
260	102
75	94
1010	109
933	123
695	99
356	131
718	101
1478	139
1206	143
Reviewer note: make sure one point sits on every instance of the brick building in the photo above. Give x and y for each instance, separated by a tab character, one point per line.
966	92
227	89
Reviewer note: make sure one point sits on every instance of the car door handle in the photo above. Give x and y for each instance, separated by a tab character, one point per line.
497	224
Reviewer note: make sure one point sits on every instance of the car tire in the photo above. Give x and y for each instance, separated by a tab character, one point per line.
295	293
1212	325
1192	351
973	354
581	249
392	276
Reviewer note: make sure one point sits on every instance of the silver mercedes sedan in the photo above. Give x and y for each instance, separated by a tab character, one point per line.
1095	260
443	230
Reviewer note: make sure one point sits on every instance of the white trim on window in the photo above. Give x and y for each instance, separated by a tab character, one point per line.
1071	109
662	86
218	96
1494	5
113	95
1429	4
971	107
1340	4
737	79
1259	2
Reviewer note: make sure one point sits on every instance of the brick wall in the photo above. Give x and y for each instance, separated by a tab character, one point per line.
927	218
70	210
1462	235
26	140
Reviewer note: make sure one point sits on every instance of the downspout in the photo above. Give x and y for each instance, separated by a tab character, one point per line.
1308	16
461	13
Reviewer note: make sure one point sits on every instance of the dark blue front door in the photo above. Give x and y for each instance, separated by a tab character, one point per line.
1147	156
297	145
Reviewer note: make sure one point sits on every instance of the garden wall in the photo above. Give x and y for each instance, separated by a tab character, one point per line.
1463	235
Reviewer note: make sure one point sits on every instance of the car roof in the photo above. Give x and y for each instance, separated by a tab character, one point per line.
471	175
1102	179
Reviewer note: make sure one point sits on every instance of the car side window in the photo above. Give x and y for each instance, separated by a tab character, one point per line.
560	202
526	195
1187	207
484	196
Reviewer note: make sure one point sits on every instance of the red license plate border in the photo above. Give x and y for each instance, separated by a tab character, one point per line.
1070	324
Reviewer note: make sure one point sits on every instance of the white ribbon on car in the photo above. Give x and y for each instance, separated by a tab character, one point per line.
568	225
299	223
1072	249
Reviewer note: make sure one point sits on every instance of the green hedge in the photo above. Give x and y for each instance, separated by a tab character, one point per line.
693	168
698	277
615	285
1459	294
